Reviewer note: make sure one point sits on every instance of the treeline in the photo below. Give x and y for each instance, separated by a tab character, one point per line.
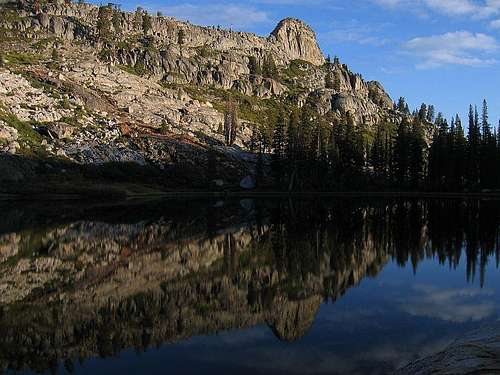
424	152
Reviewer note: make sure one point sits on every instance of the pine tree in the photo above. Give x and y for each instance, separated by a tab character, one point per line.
440	164
416	168
402	154
138	18
333	158
422	113
254	66
116	21
431	113
292	145
497	182
377	156
104	22
147	25
269	69
474	149
401	106
230	122
459	155
351	151
329	81
55	55
259	168
279	149
486	128
488	152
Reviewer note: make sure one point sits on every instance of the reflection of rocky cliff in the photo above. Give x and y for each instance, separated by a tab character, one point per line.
94	288
83	288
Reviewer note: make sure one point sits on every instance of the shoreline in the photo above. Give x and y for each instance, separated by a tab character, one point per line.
124	195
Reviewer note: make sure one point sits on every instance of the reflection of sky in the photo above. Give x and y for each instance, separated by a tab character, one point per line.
375	328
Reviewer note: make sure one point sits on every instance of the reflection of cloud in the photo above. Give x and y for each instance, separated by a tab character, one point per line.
453	305
322	357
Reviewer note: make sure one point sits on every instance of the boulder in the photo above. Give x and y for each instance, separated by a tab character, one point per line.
8	139
248	183
60	130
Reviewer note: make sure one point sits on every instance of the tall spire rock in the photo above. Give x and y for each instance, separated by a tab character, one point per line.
297	40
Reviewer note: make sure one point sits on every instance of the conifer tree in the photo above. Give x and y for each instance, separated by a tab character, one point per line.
474	149
487	151
486	128
402	154
269	69
333	158
138	18
351	151
55	54
292	148
401	106
422	113
147	24
377	156
329	81
459	158
230	122
431	112
279	149
254	66
416	168
116	21
104	22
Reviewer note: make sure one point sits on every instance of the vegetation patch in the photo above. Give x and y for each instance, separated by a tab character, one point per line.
22	58
29	138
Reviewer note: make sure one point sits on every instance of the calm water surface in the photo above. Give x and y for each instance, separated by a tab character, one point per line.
247	287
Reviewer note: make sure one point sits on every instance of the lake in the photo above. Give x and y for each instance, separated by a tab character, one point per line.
277	286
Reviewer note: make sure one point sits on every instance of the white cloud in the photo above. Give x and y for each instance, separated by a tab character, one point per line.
495	24
229	15
355	32
453	48
477	9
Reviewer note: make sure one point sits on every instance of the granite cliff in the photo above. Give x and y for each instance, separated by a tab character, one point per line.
91	85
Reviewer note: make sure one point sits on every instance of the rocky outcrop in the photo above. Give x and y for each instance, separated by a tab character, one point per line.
155	98
476	353
8	139
298	41
378	95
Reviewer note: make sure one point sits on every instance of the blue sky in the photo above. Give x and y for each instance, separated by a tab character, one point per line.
443	52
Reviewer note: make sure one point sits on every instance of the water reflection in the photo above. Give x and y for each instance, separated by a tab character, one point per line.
95	281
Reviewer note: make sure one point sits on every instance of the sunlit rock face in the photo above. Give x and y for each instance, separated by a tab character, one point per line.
156	99
298	41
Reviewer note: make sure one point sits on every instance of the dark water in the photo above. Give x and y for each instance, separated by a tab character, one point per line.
247	287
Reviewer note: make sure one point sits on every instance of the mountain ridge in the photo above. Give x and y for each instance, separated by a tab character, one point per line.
130	87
